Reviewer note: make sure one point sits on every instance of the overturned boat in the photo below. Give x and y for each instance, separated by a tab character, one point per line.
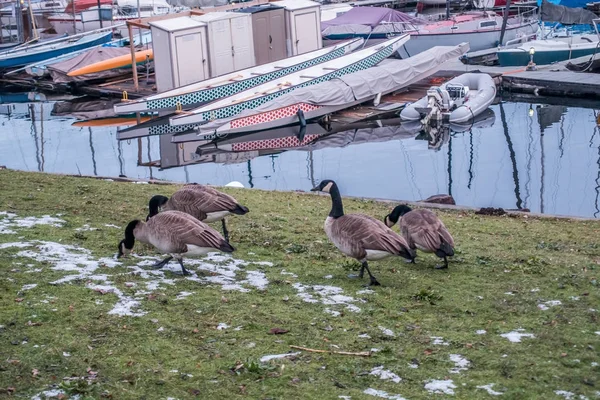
262	94
346	91
198	93
458	100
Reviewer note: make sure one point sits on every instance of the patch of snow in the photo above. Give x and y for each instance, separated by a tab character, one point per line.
515	336
439	341
327	295
594	364
439	386
328	277
481	332
112	226
460	363
534	290
345	397
65	354
382	394
365	291
386	331
284	272
488	388
161	329
333	312
140	183
268	358
53	394
183	295
569	395
597	332
509	293
29	287
85	228
375	350
546	305
385	374
222	326
10	222
364	336
413	365
238	328
574	298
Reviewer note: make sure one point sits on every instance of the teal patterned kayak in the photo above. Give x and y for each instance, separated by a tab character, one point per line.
257	96
196	94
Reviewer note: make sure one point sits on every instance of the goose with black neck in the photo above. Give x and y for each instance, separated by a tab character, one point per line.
360	236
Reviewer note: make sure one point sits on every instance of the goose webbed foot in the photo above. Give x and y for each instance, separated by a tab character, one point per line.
162	263
445	266
184	271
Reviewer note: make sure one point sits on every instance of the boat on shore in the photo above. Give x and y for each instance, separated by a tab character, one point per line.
198	93
457	101
46	50
255	97
341	93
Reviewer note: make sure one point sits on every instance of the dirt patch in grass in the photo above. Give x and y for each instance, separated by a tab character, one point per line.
515	316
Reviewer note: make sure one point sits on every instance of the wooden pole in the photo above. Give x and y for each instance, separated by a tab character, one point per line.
504	21
133	63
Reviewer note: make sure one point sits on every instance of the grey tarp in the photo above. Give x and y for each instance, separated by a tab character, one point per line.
370	16
566	15
60	70
386	77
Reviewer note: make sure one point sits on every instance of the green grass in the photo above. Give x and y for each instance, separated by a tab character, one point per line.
537	260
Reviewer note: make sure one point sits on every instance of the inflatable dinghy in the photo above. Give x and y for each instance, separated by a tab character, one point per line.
458	100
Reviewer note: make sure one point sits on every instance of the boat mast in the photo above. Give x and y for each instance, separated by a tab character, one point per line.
504	21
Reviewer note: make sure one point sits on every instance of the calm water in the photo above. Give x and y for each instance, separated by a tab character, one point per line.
545	158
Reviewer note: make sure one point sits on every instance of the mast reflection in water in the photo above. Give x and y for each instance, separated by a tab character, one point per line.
545	158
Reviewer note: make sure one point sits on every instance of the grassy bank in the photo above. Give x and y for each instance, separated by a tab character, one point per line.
124	331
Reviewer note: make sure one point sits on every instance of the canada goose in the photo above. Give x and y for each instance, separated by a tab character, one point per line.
175	233
423	230
360	236
200	201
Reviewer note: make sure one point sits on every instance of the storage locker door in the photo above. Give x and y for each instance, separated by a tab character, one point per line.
307	36
243	45
190	59
277	32
260	28
220	48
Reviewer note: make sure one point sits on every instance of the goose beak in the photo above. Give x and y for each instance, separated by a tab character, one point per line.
315	189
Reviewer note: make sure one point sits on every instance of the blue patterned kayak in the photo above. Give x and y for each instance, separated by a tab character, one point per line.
41	52
254	97
196	94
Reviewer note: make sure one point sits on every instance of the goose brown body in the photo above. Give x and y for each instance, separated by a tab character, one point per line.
361	236
202	202
175	233
423	230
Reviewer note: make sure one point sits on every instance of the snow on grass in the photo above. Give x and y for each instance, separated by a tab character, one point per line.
80	265
29	287
460	363
546	305
54	394
183	295
222	326
328	295
481	332
488	388
9	221
385	374
569	395
382	394
439	341
268	358
516	336
386	331
440	386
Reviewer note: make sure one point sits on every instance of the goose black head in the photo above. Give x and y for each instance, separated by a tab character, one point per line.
155	204
126	245
392	218
324	186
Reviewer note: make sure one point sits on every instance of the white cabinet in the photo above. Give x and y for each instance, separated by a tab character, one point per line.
180	52
230	41
303	25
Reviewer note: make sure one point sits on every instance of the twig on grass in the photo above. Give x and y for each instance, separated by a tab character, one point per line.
346	353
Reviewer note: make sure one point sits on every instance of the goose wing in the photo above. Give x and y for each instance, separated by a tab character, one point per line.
362	233
426	229
211	199
180	229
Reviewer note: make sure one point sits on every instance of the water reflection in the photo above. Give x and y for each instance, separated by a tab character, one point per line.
516	155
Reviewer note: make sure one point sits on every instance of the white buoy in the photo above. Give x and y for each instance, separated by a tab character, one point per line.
235	184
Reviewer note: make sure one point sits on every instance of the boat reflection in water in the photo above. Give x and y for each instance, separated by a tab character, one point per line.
516	155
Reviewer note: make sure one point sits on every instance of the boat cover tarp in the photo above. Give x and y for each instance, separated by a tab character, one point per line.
566	3
371	16
388	76
60	70
85	108
566	15
585	64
